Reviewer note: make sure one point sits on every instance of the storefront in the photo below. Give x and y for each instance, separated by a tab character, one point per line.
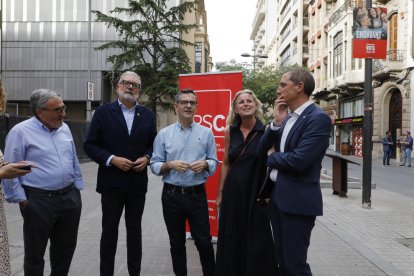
351	135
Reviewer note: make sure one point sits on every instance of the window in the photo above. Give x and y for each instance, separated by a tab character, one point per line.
198	56
337	54
285	55
352	109
393	34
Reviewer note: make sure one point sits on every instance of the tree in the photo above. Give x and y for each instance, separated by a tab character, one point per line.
150	45
263	82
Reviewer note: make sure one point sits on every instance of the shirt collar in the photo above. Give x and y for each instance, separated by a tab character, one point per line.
300	109
177	124
39	124
121	105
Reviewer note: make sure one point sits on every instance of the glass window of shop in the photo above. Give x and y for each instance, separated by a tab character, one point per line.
352	109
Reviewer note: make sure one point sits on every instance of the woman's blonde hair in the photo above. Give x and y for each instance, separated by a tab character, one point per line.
2	99
234	118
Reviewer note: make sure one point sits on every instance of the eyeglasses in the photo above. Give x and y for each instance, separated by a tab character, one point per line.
185	103
58	110
128	84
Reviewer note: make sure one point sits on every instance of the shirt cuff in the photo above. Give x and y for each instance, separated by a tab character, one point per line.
273	127
108	162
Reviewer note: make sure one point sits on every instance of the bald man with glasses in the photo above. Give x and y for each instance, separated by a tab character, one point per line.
120	140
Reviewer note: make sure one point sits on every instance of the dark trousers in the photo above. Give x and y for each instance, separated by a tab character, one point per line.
112	208
292	235
55	217
177	207
386	158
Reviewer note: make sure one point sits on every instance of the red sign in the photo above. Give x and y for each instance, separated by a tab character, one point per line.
370	33
215	92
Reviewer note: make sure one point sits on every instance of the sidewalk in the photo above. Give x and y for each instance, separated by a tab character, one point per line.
347	240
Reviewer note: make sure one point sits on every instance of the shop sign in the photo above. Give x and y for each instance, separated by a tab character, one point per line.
350	120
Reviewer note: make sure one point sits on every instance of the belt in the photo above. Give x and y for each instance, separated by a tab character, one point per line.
184	190
62	191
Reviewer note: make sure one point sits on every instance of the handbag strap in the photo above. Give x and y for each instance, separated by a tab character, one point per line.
244	149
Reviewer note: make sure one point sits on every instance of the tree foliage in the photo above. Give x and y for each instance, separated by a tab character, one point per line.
263	82
150	45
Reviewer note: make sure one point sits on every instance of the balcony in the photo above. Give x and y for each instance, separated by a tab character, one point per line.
341	12
393	62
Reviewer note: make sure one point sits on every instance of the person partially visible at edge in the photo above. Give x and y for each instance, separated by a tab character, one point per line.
120	140
7	171
299	133
245	245
407	147
49	197
185	155
386	148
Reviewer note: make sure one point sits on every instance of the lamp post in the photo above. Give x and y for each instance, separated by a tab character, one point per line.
255	57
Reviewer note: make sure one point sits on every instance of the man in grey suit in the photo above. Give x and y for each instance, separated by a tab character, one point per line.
295	143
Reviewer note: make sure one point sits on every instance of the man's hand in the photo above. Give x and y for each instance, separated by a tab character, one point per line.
178	165
122	163
198	166
280	111
140	164
23	204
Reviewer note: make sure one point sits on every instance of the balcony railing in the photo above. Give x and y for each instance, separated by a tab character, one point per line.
394	57
341	12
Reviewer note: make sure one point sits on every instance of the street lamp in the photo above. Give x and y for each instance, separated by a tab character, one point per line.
255	57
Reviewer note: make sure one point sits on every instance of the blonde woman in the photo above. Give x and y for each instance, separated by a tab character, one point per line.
244	245
7	170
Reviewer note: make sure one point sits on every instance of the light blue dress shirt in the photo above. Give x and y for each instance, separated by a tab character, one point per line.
53	152
192	144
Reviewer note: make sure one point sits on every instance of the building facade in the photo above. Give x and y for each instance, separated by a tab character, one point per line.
51	44
318	34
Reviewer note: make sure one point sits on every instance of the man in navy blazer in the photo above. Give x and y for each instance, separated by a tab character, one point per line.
120	140
386	148
295	143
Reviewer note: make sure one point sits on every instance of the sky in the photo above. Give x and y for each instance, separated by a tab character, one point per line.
229	25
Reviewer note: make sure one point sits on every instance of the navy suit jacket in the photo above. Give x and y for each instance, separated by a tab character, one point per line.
385	143
297	188
108	135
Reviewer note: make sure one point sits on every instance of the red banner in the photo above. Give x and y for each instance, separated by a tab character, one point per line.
370	33
214	94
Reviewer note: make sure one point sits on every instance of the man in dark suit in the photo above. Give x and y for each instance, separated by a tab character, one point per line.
386	148
295	142
120	140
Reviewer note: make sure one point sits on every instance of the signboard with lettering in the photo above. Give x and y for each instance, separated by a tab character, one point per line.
90	92
215	92
349	120
370	33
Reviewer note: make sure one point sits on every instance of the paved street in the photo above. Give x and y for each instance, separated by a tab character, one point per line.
347	240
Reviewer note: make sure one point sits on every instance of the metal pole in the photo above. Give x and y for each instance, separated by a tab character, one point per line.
367	128
88	102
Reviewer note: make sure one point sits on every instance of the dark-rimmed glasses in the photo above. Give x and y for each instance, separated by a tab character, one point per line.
185	103
127	84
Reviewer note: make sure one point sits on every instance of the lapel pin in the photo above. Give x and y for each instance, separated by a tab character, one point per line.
138	114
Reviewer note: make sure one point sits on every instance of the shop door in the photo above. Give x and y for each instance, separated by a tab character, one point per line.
357	143
395	117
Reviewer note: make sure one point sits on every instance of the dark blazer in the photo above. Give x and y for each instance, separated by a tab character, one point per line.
297	188
108	135
385	143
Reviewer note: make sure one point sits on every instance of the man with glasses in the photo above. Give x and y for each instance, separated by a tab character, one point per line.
185	155
120	140
49	196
